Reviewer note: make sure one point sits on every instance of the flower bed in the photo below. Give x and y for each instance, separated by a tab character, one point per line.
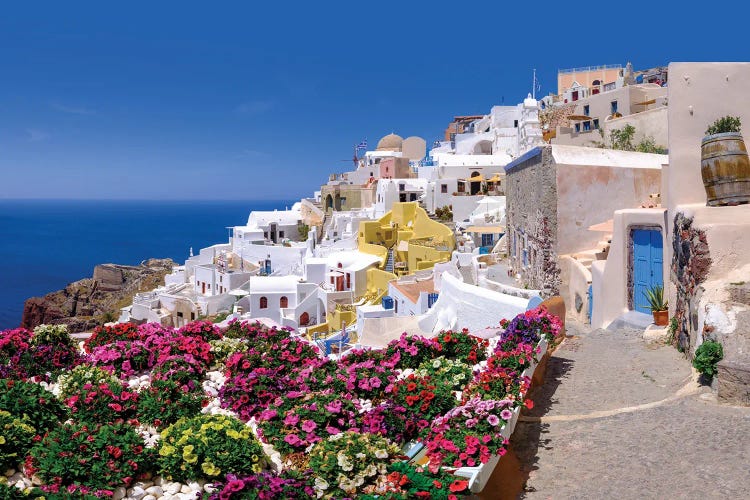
147	412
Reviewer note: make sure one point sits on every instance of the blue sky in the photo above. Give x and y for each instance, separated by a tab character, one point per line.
180	100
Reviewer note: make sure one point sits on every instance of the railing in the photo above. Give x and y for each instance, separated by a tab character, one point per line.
590	68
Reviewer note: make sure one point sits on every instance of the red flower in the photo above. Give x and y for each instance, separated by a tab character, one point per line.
458	485
529	404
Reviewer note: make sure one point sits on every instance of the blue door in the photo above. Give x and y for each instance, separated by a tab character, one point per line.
647	265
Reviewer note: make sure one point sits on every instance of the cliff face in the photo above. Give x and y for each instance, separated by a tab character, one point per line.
84	304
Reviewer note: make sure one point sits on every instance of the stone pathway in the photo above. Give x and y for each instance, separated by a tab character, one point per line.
620	418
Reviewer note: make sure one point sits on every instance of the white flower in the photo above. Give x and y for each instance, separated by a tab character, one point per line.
381	454
436	363
321	484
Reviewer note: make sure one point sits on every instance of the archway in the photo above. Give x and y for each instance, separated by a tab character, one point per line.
483	148
304	319
329	202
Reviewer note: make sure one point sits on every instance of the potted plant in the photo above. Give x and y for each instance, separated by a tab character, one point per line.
707	355
725	166
657	304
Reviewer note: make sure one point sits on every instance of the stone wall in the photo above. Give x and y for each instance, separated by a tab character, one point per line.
691	262
532	220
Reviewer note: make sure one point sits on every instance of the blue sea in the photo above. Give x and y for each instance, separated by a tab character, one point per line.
46	244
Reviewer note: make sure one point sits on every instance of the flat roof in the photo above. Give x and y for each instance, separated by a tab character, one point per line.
412	290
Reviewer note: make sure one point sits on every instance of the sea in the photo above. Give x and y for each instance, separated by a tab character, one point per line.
46	244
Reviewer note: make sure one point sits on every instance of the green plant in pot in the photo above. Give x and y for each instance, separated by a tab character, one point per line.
657	304
725	166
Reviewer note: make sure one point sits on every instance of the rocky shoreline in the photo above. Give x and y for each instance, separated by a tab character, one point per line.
84	304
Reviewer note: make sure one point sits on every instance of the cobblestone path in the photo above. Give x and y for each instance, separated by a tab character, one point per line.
592	433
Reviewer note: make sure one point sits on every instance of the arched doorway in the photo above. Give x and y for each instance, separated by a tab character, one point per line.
475	186
329	202
304	319
284	302
274	230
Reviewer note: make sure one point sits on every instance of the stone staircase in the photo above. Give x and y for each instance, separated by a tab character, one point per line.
389	262
601	252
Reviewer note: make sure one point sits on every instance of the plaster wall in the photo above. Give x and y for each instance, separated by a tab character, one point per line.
463	206
587	195
575	280
460	305
651	123
610	286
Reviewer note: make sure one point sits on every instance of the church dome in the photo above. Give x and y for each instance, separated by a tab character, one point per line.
390	142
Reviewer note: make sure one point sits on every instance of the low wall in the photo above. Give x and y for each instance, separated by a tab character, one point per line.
574	288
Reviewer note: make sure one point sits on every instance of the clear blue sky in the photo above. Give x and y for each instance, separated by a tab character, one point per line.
259	100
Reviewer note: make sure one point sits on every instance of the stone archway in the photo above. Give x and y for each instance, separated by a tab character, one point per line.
329	202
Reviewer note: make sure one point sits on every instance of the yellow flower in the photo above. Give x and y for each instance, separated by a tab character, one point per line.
233	434
210	469
166	450
189	458
2	439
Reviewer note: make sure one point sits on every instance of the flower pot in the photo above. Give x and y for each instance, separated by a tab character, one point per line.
661	318
725	169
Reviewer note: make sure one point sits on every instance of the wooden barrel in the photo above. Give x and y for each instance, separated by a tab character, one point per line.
725	168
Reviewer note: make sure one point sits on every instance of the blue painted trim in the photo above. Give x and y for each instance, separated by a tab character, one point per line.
523	158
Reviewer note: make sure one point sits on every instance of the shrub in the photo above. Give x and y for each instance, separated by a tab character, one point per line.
725	124
181	369
348	462
207	446
423	397
72	382
707	355
123	358
529	327
96	456
411	351
16	437
106	402
12	342
452	373
498	383
250	393
206	330
297	420
166	401
32	401
223	348
104	335
462	346
265	486
468	435
51	335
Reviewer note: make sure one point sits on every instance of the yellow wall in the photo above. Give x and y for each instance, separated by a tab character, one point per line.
407	222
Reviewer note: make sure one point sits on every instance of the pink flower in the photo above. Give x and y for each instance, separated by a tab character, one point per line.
506	414
291	419
309	426
493	420
292	440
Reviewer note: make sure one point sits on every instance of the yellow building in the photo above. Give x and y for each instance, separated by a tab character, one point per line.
407	239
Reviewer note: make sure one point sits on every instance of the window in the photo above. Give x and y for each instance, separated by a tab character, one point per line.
348	280
401	187
488	239
596	124
192	316
264	302
284	302
613	107
586	110
265	234
461	187
281	234
444	188
413	197
587	125
179	314
515	123
578	127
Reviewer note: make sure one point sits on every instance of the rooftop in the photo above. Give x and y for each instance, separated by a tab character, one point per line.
412	289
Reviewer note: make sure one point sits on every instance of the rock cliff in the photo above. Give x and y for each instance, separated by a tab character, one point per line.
84	304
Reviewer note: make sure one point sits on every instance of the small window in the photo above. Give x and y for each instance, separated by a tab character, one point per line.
284	302
586	110
613	107
596	124
264	303
179	314
515	123
578	127
192	316
413	197
281	234
444	188
401	187
586	126
461	187
265	234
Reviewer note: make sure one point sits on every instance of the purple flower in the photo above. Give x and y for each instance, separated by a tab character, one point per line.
493	420
506	414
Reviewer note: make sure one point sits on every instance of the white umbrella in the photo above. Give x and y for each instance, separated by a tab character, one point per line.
238	293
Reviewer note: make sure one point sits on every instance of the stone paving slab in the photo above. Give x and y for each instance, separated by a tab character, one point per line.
691	447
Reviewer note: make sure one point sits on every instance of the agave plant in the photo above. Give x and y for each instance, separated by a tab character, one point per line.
655	297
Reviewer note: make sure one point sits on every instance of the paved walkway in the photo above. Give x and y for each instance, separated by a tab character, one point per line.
619	418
